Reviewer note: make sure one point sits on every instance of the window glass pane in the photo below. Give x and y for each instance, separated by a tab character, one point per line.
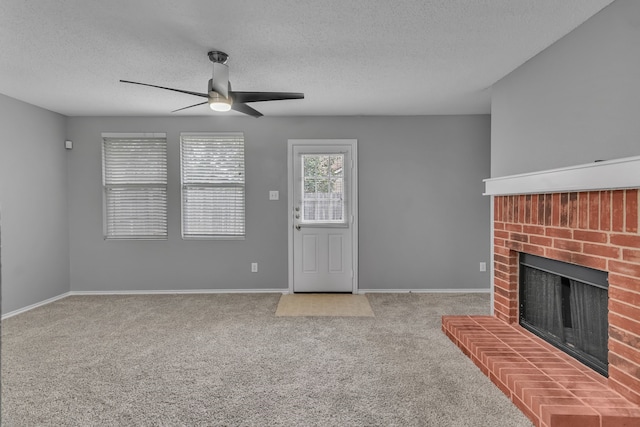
323	189
213	195
134	172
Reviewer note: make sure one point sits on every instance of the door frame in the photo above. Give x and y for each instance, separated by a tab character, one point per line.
353	192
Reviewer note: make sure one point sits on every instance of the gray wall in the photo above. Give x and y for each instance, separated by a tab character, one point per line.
33	199
576	102
423	220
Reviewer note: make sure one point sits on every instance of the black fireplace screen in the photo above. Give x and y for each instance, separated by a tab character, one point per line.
566	305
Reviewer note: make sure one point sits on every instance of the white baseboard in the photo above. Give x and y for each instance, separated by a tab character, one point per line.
36	305
424	291
184	291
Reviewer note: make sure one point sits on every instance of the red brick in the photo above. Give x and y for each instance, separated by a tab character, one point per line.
625	365
506	292
519	237
583	210
594	210
516	246
618	212
502	251
533	229
541	241
562	233
527	209
623	378
631	354
498	225
513	227
632	396
601	250
605	210
501	234
501	259
577	258
502	275
631	221
624	310
511	209
619	417
534	209
630	283
548	206
567	245
589	261
573	210
564	210
590	236
555	210
569	416
532	249
623	323
499	299
541	199
500	215
497	242
521	209
558	255
625	240
625	268
623	295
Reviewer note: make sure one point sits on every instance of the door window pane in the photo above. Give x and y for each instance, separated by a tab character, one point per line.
323	190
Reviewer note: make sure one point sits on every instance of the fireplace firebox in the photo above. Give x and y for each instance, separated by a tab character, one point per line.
566	305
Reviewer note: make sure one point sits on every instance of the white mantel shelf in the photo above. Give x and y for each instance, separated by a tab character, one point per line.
605	175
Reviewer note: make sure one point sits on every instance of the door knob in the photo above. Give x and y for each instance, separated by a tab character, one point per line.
298	227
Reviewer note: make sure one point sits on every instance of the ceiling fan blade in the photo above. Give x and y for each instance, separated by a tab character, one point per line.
264	96
190	106
168	88
221	79
242	108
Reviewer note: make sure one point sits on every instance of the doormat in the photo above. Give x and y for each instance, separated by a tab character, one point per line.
336	305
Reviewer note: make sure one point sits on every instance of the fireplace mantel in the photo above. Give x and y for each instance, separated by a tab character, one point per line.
604	175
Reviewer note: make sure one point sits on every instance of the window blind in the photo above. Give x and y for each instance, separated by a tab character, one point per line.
213	185
134	176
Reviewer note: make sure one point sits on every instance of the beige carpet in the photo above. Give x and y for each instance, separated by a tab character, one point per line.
226	360
335	305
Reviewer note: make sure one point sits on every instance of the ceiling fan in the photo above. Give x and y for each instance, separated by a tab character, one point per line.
219	95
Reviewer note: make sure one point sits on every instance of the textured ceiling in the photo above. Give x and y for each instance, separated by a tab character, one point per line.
349	57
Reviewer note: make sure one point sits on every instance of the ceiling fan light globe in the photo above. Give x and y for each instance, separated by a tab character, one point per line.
218	102
220	106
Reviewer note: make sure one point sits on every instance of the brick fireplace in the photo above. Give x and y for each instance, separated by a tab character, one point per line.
596	229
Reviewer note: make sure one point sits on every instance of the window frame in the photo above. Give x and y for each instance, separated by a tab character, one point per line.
221	136
107	186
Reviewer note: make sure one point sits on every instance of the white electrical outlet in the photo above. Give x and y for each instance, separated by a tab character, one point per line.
483	266
274	195
254	267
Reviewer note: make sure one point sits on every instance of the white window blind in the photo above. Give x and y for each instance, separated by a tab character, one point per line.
213	180
134	177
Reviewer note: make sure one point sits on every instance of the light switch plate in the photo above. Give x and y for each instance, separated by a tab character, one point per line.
274	195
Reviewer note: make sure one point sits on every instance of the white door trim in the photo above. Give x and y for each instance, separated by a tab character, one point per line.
353	191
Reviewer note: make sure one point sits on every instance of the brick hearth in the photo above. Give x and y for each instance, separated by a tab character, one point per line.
596	229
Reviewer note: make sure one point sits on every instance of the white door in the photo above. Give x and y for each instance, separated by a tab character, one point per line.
323	216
